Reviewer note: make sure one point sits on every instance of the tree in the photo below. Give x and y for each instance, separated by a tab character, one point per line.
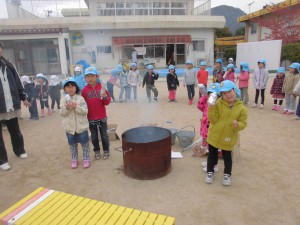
222	32
281	23
240	31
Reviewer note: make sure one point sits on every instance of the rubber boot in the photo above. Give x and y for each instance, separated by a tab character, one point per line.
49	111
43	113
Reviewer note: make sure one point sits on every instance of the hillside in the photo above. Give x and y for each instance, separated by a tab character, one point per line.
231	14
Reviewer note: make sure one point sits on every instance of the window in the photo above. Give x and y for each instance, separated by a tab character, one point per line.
199	46
159	51
149	51
104	49
253	28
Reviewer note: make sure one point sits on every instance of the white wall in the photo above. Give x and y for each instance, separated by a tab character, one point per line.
92	39
252	52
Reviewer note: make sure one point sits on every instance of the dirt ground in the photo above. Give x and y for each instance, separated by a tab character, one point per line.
266	181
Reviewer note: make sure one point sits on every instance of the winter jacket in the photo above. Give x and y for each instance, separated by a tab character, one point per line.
96	105
123	77
277	85
218	75
297	89
30	91
202	77
203	107
260	78
243	79
54	91
133	77
80	80
229	76
149	79
221	133
190	77
11	88
290	82
75	120
172	81
42	91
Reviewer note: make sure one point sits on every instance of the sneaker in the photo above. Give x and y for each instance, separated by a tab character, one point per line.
209	178
105	155
97	155
284	111
254	105
190	102
204	164
155	99
174	100
261	106
274	107
23	156
290	113
216	169
278	108
226	180
86	164
297	117
5	166
74	164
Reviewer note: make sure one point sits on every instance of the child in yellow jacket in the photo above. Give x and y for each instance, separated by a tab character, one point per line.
227	117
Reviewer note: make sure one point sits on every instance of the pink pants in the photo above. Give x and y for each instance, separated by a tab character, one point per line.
172	94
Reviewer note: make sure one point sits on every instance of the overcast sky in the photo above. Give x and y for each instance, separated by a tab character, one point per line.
242	4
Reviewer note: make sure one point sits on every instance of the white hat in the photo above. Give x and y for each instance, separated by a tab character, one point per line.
25	79
40	75
54	80
77	69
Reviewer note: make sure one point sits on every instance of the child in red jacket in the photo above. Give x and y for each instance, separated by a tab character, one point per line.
202	76
96	97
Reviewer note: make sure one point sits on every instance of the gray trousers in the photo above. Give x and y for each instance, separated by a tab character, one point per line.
244	95
290	102
150	88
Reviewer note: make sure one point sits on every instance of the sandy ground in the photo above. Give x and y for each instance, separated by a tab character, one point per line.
266	181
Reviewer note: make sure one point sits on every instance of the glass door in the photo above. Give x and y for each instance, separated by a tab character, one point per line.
180	53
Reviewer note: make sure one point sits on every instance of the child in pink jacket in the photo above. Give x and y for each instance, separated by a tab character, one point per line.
230	73
244	81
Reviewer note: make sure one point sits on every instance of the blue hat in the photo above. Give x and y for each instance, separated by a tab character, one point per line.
119	67
171	67
219	61
40	75
228	85
68	80
203	63
114	73
295	66
150	67
91	70
245	66
214	87
263	61
189	61
230	66
133	64
281	70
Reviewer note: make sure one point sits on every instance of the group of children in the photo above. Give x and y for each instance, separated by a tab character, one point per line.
41	90
84	109
222	120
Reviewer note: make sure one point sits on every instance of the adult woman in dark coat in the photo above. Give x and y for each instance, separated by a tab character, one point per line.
11	95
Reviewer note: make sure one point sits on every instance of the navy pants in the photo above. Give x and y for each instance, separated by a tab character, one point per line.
191	91
55	100
16	138
104	136
298	108
110	89
33	109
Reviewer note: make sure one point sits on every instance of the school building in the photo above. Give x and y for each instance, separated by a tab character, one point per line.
106	32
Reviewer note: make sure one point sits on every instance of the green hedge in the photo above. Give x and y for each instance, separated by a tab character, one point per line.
230	53
291	52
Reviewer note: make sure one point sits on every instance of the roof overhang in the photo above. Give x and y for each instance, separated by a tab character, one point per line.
118	22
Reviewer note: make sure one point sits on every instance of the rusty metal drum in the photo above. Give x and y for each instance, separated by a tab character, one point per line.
147	152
